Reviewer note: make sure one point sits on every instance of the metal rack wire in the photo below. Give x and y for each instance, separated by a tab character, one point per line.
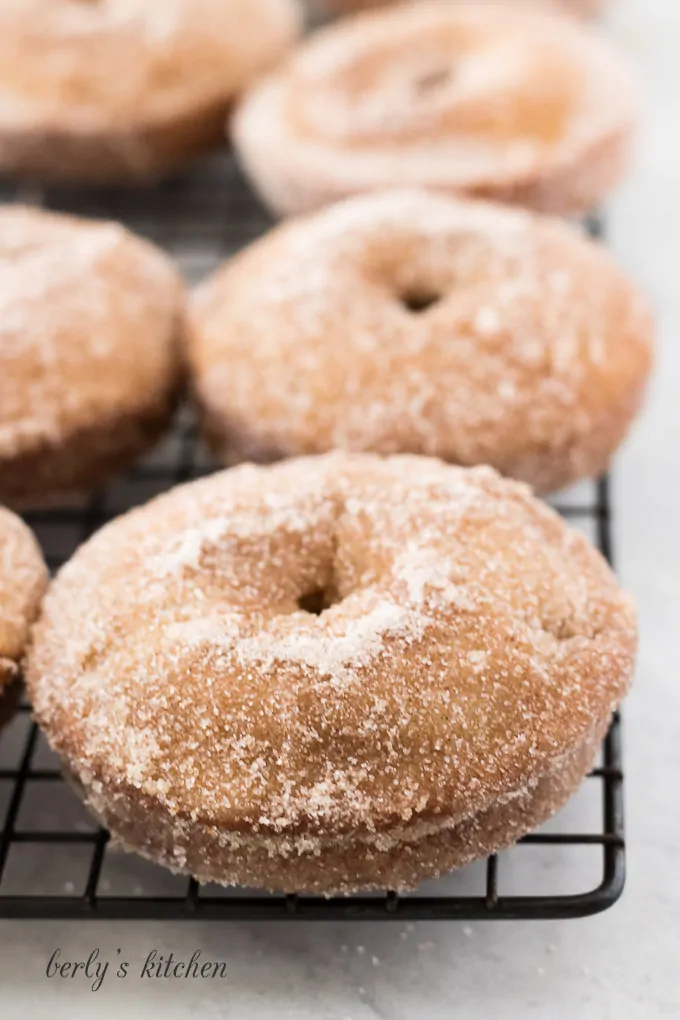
58	868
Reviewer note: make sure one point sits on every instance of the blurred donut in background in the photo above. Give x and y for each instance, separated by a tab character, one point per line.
515	103
124	90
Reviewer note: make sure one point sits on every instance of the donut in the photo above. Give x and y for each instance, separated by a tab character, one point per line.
491	100
332	674
90	352
111	91
414	322
23	579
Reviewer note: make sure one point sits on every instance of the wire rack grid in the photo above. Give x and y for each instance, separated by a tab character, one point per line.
54	860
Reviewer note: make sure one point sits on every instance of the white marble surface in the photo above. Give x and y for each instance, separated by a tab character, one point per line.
623	964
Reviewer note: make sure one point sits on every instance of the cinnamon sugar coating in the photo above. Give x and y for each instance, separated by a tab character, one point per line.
409	322
90	358
335	673
511	102
23	578
127	90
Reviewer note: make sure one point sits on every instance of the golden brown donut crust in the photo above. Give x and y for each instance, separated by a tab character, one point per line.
450	696
533	357
126	90
23	578
90	352
509	102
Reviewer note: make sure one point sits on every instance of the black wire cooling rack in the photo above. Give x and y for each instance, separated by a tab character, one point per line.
54	860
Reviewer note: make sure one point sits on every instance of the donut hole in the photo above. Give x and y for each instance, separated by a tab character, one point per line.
317	601
418	300
433	80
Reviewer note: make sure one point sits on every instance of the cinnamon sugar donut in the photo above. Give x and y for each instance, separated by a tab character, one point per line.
90	360
23	578
515	103
410	322
334	674
114	90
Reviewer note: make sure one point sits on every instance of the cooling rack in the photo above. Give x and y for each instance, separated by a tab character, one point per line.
54	860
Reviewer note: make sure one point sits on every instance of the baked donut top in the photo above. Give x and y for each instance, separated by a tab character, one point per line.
331	644
90	319
23	578
414	322
123	61
450	94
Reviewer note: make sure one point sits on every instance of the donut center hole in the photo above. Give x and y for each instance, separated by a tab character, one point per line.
433	80
317	601
418	300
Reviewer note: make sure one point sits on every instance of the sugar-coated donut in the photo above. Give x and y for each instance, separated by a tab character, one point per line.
516	103
23	578
108	91
90	352
333	674
412	322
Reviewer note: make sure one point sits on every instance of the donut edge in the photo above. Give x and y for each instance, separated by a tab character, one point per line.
67	471
143	154
399	860
28	608
571	187
547	471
